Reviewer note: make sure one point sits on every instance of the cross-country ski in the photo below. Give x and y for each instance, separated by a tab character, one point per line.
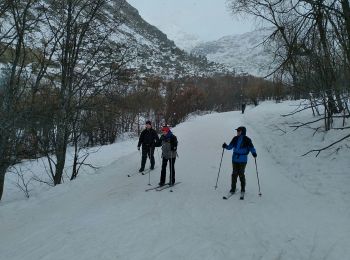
229	195
140	173
167	186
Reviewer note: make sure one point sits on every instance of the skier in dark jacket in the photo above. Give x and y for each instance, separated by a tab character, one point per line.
168	141
148	139
241	145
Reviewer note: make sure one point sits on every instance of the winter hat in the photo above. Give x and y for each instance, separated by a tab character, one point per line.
242	129
148	122
165	129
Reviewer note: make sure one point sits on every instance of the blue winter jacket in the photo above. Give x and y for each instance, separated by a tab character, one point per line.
241	146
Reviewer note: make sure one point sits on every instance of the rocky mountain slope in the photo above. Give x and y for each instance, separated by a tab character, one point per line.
244	53
149	52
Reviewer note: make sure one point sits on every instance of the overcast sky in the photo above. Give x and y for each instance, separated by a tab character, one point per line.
207	19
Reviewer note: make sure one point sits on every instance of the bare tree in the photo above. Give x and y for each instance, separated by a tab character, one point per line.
89	60
308	44
311	44
19	18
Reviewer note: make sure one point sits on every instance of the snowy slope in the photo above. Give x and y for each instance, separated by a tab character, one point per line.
302	214
242	52
183	40
147	50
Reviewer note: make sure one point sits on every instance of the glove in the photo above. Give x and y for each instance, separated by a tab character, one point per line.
254	155
224	145
138	148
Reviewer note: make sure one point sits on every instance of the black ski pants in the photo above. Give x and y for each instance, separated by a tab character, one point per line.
238	171
172	170
147	151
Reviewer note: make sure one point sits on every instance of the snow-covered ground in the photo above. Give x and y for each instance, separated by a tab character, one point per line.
303	212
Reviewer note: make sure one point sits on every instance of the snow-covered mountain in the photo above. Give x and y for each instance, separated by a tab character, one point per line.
183	40
149	49
243	53
159	55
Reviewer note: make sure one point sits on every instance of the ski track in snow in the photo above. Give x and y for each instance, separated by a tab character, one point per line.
110	216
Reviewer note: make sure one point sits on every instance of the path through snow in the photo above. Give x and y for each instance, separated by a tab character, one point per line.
110	216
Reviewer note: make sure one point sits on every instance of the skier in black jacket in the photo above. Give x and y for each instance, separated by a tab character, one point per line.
148	139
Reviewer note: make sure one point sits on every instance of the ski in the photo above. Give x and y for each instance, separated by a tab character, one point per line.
147	171
166	186
160	188
229	195
142	173
153	188
132	174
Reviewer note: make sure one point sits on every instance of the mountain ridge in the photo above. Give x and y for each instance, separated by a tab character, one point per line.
244	53
149	50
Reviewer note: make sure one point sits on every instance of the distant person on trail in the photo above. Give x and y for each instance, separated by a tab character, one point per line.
148	140
241	145
243	107
168	141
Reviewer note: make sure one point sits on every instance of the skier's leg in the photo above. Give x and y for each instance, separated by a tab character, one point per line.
234	177
172	170
152	157
144	158
163	172
242	176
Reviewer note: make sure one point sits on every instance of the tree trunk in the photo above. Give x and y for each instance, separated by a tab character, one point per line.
2	179
61	149
75	166
346	9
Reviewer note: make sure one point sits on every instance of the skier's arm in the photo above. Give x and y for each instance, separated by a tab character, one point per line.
155	138
140	139
173	143
158	142
252	149
231	145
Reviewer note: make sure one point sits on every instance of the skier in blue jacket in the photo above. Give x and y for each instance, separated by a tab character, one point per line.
241	145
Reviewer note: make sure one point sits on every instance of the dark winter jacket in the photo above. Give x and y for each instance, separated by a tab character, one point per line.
148	137
241	146
169	145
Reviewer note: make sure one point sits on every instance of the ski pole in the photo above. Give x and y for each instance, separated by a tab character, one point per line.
158	156
149	178
149	172
132	174
217	179
140	156
171	173
257	175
